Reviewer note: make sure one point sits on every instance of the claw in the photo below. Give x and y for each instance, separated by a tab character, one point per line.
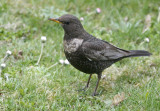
83	89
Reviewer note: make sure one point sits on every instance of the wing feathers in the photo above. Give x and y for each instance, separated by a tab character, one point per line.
100	50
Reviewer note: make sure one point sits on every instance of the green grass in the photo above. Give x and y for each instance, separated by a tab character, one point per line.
35	88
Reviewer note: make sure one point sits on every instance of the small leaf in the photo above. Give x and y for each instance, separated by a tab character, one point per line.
118	98
147	94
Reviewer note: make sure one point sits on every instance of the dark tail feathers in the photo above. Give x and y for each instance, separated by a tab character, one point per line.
135	53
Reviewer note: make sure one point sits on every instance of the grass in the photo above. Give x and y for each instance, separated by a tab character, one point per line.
34	88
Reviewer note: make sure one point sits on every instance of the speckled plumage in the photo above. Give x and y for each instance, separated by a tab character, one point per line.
87	53
86	64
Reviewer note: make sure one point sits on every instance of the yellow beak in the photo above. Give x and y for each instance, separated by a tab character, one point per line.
55	20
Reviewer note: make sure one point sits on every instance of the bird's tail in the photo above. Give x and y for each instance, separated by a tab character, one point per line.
136	53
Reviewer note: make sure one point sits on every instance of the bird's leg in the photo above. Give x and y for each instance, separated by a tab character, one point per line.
99	77
87	83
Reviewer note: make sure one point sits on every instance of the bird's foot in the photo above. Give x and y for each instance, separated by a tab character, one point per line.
94	94
83	89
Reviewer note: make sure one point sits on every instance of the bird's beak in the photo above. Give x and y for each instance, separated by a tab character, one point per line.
55	20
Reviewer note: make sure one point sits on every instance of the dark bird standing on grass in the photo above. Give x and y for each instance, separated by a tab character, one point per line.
87	53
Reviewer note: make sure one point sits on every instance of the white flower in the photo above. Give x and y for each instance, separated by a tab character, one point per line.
7	76
61	61
146	39
43	39
98	10
3	65
81	18
126	19
103	76
8	52
23	38
66	62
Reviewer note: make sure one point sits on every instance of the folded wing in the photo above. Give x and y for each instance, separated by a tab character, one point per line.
97	50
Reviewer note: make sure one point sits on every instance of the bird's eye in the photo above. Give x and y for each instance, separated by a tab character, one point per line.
67	23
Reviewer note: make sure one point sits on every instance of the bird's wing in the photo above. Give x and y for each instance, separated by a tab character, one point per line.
96	50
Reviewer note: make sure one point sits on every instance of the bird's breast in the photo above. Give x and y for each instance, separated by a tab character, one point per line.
72	45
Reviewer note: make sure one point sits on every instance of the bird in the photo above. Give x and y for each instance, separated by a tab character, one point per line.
87	53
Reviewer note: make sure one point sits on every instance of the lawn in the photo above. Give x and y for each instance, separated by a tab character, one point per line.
132	84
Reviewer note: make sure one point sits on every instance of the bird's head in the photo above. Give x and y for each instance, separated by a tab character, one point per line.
70	23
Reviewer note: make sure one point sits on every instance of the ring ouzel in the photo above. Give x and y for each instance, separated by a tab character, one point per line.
87	53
